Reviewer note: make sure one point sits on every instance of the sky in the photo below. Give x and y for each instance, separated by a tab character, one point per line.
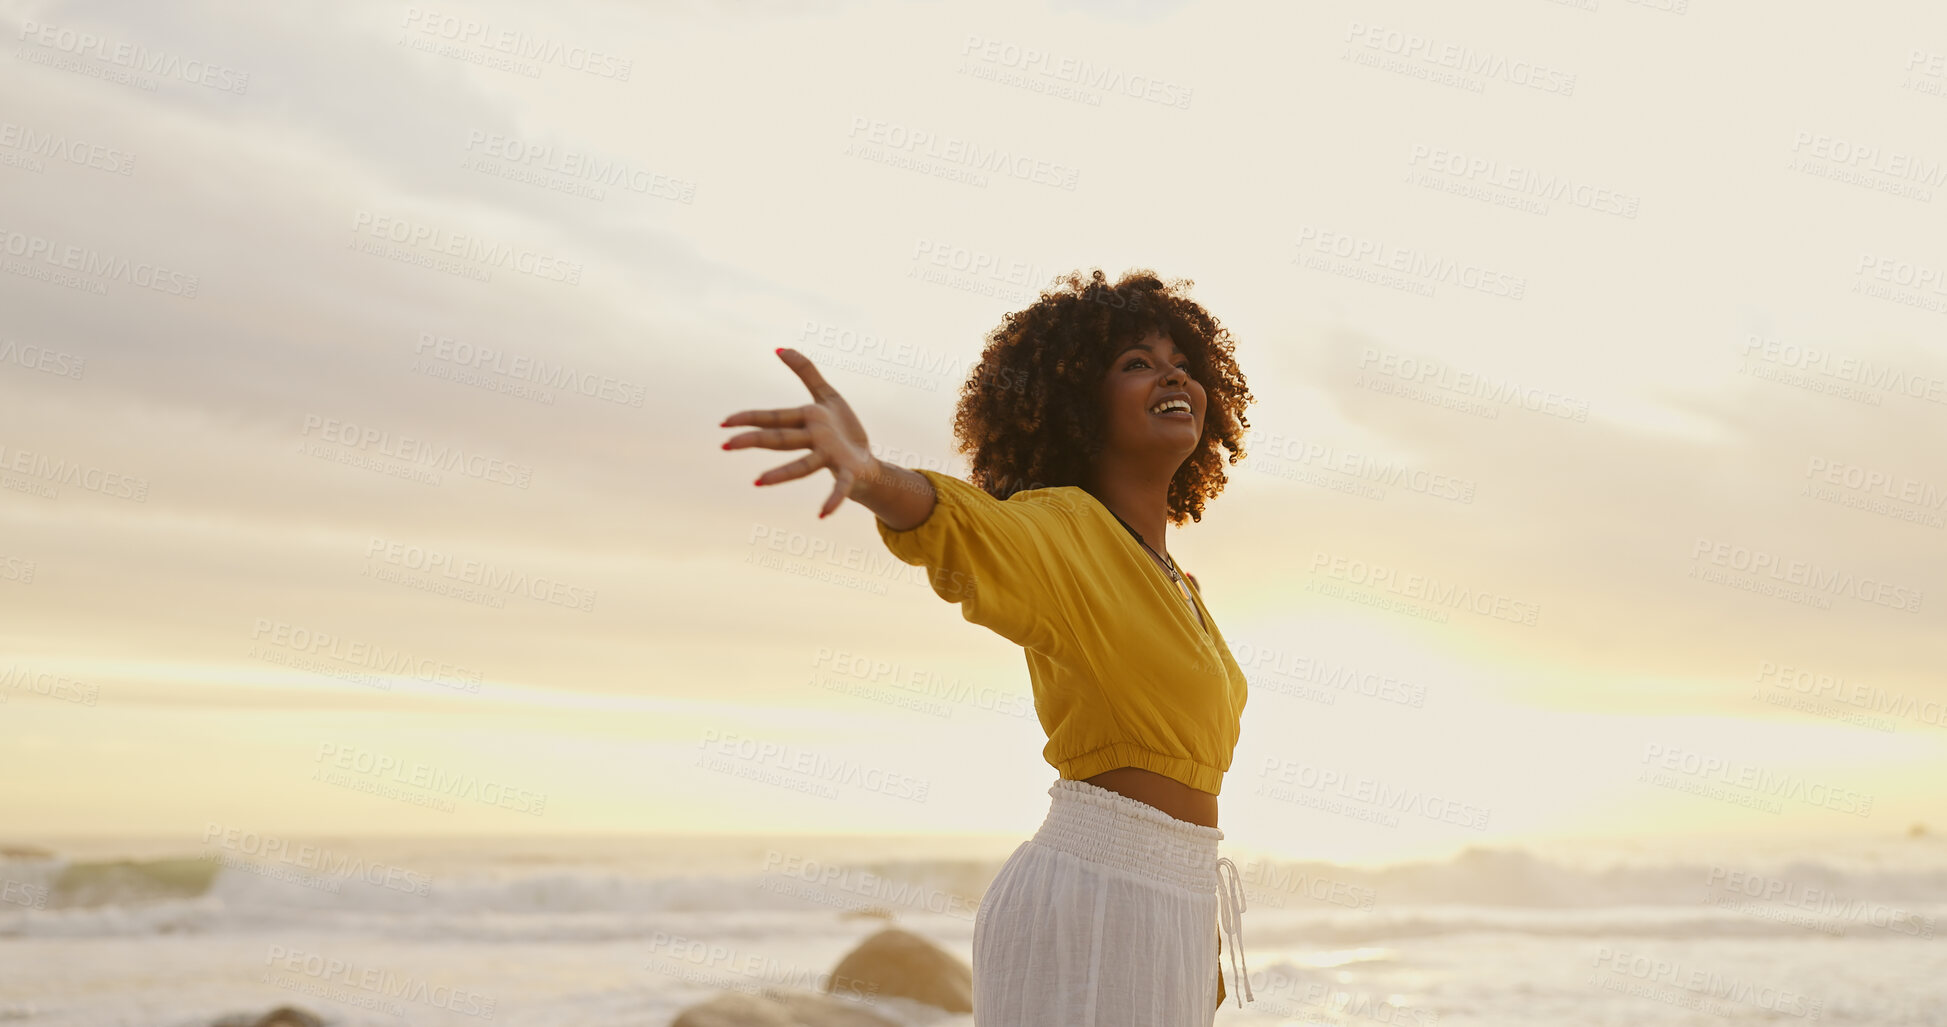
362	366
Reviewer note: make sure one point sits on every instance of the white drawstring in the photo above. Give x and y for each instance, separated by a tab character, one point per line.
1233	923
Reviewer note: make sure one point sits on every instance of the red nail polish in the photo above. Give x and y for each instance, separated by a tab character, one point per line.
759	481
780	351
726	445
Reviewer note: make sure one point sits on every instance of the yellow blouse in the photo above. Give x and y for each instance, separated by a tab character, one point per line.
1123	673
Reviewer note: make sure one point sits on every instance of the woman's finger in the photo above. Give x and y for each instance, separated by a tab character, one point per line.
821	390
841	487
771	438
783	417
795	469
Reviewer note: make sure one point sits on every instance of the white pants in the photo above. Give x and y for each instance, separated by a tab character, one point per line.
1105	918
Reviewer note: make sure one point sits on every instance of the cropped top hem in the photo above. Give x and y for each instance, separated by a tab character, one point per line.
1128	754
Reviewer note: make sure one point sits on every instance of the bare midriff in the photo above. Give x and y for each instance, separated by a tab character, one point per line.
1165	793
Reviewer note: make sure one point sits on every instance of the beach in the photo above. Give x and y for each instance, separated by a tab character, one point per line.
632	931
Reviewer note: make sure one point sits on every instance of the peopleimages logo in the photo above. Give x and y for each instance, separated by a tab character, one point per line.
311	857
60	470
1372	792
1479	169
42	359
13	568
355	983
329	648
1757	781
415	236
87	260
522	368
62	147
578	165
953	150
436	780
1077	73
454	459
487	575
812	767
134	57
518	44
1425	588
1860	695
1408	45
1816	580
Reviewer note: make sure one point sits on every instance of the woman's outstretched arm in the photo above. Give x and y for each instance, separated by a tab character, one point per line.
900	498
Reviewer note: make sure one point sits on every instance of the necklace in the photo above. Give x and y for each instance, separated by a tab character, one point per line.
1168	565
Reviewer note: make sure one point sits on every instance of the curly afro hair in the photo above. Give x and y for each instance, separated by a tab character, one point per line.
1030	414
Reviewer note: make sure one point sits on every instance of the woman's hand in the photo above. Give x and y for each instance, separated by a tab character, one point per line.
826	426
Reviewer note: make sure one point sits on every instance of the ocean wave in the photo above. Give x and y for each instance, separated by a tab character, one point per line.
1494	890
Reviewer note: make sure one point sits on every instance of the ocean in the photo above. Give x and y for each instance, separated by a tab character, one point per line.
586	932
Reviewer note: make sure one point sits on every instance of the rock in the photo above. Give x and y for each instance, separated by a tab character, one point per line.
282	1016
735	1009
814	1010
893	977
899	963
779	1008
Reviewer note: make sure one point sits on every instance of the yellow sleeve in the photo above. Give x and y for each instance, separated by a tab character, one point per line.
999	559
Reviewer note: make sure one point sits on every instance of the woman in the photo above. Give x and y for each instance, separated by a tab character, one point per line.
1094	416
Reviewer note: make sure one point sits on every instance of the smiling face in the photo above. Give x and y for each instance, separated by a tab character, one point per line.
1141	377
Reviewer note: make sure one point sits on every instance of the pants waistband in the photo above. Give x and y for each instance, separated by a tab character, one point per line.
1101	826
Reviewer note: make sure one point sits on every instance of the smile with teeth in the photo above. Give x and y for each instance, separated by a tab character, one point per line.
1172	406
